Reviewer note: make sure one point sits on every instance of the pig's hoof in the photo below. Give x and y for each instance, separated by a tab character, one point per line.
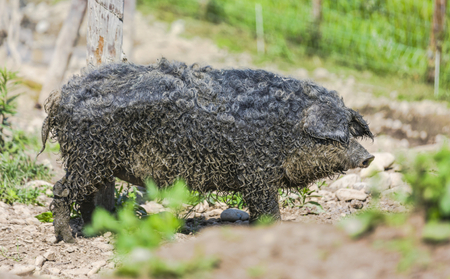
69	239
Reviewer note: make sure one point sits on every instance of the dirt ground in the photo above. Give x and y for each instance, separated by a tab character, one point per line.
305	244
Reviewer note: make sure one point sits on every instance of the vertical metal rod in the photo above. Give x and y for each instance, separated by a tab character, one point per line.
259	29
437	65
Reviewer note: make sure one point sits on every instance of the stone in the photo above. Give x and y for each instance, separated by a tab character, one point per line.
397	179
17	222
51	240
22	270
201	207
374	168
346	181
379	182
104	247
96	267
4	268
70	249
385	159
39	261
350	194
356	204
233	214
152	207
360	186
32	221
399	190
214	212
50	255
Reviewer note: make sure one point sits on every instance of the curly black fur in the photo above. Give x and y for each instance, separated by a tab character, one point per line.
250	131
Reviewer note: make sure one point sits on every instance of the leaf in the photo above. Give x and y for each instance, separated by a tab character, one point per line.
46	217
436	232
319	207
444	202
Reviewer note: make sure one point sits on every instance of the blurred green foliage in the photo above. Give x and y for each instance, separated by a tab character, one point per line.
16	166
136	237
388	37
429	177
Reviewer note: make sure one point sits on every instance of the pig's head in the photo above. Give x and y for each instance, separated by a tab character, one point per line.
329	145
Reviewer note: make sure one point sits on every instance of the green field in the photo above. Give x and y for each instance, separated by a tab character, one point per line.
385	37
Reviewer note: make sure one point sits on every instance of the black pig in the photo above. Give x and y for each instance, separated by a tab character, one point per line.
247	131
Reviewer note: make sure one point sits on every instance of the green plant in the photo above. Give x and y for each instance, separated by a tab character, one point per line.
16	167
141	235
7	106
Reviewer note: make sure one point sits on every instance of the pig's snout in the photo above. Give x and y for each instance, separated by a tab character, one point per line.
366	162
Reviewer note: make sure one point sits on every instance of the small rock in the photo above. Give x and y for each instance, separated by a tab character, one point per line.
152	207
360	186
201	207
214	212
51	240
22	270
380	182
70	249
396	179
399	190
104	247
17	222
50	255
96	267
374	168
345	182
356	204
233	214
350	194
39	261
32	221
107	234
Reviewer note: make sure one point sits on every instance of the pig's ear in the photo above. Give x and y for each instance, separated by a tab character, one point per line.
358	126
326	122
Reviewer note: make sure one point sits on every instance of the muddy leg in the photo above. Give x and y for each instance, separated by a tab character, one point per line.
60	208
263	203
87	207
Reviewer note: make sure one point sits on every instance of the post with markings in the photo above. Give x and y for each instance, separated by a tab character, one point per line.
104	45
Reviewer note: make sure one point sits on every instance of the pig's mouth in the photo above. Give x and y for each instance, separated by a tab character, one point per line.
366	162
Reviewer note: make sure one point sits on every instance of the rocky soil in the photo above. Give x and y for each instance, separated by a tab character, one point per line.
288	250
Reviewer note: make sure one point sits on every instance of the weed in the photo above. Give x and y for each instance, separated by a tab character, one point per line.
137	236
16	167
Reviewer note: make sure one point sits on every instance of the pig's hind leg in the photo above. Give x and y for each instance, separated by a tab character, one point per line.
263	203
60	208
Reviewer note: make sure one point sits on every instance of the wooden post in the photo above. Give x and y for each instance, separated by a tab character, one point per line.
128	28
104	45
105	32
67	39
436	38
316	20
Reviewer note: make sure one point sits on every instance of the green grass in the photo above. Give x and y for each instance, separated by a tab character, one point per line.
381	43
17	166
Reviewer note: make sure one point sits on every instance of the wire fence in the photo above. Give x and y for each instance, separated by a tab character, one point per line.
386	36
